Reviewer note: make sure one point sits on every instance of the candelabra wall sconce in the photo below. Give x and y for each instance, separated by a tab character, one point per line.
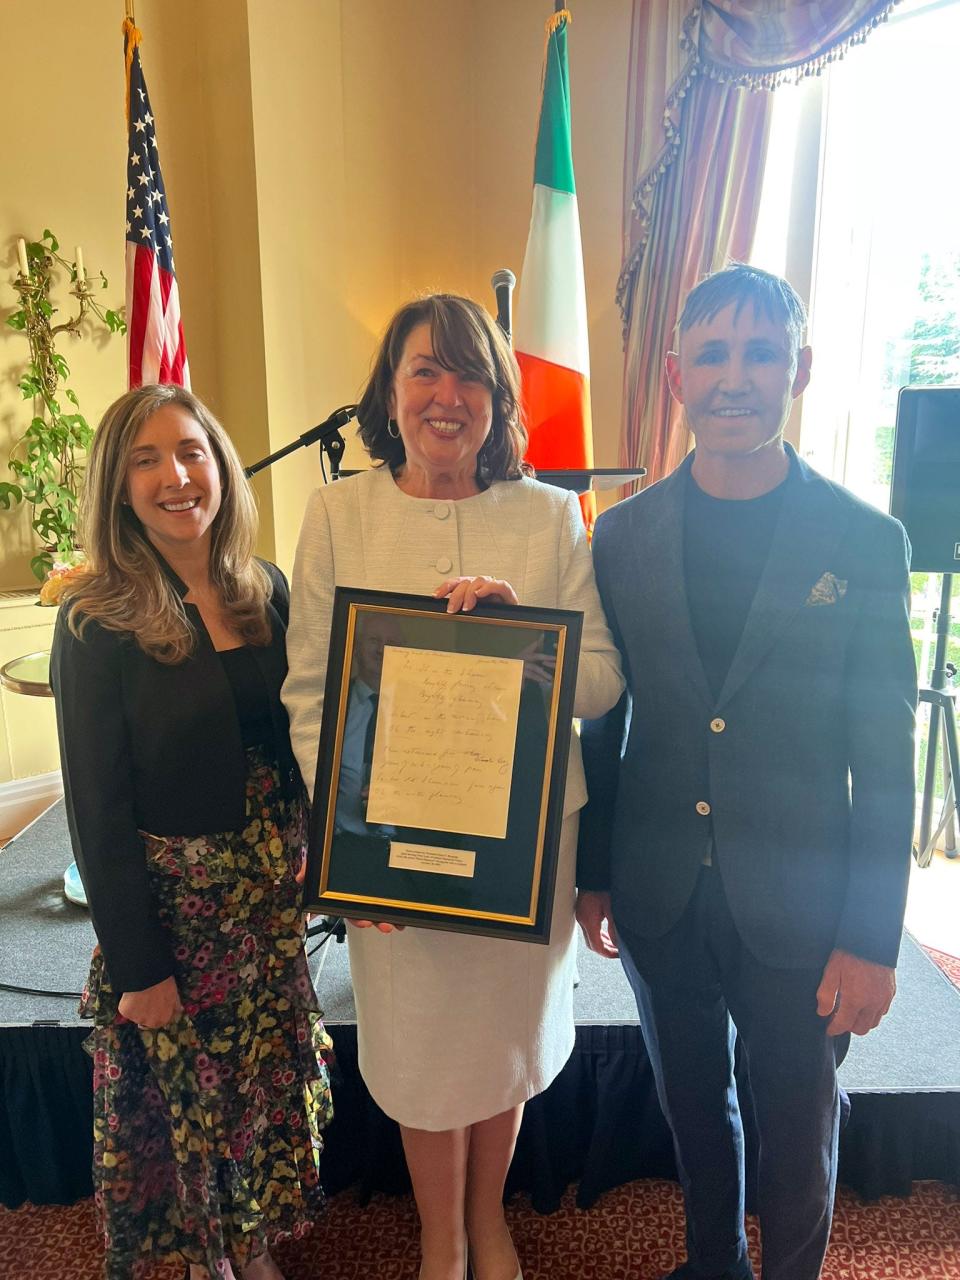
33	284
47	462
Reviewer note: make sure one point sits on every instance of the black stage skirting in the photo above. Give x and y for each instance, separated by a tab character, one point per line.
599	1124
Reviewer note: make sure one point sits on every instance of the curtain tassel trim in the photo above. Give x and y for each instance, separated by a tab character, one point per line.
699	64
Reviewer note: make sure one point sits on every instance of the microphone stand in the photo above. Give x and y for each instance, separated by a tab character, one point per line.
327	434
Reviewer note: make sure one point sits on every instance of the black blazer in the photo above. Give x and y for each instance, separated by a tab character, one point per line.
800	770
152	747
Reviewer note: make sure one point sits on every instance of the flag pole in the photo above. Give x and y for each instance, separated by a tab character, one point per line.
156	351
128	11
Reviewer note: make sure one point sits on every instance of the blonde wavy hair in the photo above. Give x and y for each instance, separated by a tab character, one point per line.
124	587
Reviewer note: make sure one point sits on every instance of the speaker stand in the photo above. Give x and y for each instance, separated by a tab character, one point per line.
943	726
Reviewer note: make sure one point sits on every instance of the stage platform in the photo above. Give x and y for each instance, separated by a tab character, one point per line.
599	1123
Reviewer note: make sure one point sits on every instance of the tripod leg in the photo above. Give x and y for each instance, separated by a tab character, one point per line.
939	699
949	826
951	769
927	838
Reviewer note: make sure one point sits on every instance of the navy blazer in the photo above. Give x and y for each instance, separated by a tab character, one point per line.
146	746
800	771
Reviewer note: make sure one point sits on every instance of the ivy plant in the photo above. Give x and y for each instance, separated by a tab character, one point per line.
49	459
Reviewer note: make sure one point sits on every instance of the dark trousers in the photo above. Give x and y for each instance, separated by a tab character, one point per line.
697	988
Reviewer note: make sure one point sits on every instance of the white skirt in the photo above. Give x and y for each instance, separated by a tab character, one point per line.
454	1029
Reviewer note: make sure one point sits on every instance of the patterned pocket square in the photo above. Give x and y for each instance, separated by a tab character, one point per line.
827	590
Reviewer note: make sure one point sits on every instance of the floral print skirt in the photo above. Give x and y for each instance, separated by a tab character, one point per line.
207	1130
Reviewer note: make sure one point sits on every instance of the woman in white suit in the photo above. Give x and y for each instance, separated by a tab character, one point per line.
455	1032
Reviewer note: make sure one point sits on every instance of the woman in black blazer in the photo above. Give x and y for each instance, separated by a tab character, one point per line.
187	820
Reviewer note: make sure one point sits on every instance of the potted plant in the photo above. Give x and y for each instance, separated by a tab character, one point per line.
48	460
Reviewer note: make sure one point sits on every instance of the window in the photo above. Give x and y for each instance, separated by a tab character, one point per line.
862	181
861	211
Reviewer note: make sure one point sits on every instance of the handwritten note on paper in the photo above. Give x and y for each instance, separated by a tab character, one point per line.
445	741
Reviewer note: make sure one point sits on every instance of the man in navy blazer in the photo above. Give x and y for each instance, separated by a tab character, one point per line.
751	796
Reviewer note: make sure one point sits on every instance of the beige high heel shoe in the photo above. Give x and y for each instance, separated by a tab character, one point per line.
468	1271
466	1268
468	1274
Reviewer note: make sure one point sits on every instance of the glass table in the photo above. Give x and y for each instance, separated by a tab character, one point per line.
29	674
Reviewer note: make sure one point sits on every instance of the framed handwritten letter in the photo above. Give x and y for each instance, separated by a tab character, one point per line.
442	763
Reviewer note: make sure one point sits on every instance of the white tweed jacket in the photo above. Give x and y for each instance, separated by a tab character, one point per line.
365	532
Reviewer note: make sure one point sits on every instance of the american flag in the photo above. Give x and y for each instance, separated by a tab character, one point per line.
155	345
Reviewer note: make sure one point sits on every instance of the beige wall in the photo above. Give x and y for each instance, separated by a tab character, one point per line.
62	159
197	66
508	51
324	159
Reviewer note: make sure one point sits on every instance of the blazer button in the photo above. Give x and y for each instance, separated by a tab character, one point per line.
718	725
441	510
703	808
444	564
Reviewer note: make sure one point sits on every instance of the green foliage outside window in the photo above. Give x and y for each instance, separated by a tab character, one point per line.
926	354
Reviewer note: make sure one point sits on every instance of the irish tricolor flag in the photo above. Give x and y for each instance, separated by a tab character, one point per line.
550	328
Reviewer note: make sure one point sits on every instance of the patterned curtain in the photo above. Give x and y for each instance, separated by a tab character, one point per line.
697	126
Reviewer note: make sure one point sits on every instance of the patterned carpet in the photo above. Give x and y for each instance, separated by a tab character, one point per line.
949	964
633	1233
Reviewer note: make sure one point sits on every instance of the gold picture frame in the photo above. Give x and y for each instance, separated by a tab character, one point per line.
442	762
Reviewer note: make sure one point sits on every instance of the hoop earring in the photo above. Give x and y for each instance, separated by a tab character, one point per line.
393	431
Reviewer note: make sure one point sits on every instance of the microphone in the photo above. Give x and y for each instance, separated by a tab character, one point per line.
503	282
339	418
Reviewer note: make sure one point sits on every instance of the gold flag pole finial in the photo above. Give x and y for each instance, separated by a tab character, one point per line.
131	38
560	15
